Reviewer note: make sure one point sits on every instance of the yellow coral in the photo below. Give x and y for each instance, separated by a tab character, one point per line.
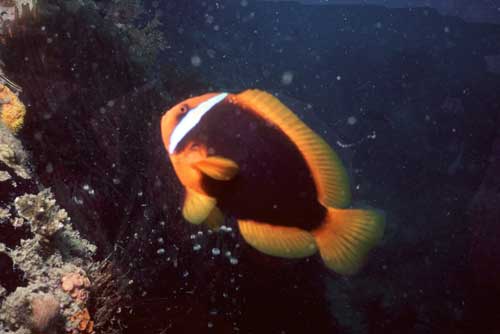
12	110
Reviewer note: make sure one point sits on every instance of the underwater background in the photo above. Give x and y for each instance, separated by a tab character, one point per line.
407	93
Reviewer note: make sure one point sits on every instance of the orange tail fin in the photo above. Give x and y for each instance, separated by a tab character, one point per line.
346	237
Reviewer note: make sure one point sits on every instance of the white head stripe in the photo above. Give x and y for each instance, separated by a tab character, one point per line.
191	119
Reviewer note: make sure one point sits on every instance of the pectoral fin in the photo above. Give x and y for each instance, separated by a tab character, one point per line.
197	207
281	241
217	168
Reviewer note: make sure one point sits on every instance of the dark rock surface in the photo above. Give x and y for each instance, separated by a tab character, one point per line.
406	98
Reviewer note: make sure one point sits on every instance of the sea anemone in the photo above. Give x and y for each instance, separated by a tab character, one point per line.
12	110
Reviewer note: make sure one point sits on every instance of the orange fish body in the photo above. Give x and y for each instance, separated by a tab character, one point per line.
249	156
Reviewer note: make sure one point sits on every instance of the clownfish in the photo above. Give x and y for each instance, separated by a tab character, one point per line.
248	156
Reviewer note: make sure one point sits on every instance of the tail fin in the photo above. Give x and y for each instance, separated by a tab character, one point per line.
346	237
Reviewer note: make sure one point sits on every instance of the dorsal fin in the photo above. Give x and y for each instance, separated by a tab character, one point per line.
326	167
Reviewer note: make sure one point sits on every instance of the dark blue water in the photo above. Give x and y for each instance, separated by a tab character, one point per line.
407	97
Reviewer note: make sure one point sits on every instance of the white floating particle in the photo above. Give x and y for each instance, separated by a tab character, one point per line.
209	19
49	168
227	253
160	251
196	60
339	78
351	120
215	251
287	78
446	29
196	247
160	240
77	200
210	324
211	53
233	260
225	228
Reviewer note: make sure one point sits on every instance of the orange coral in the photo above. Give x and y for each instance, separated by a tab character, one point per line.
76	285
12	110
85	324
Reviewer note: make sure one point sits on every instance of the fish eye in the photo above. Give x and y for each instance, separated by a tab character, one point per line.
184	109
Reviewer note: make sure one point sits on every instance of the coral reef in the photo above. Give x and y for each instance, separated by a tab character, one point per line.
43	213
54	262
13	158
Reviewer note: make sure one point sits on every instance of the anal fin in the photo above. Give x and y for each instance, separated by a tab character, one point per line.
281	241
197	207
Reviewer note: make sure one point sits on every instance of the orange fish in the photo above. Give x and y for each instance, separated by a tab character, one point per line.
247	155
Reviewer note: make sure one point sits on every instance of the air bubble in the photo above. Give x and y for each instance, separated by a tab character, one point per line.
287	78
195	60
352	120
49	168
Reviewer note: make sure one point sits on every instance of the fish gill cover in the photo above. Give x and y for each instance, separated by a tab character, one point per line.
406	96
